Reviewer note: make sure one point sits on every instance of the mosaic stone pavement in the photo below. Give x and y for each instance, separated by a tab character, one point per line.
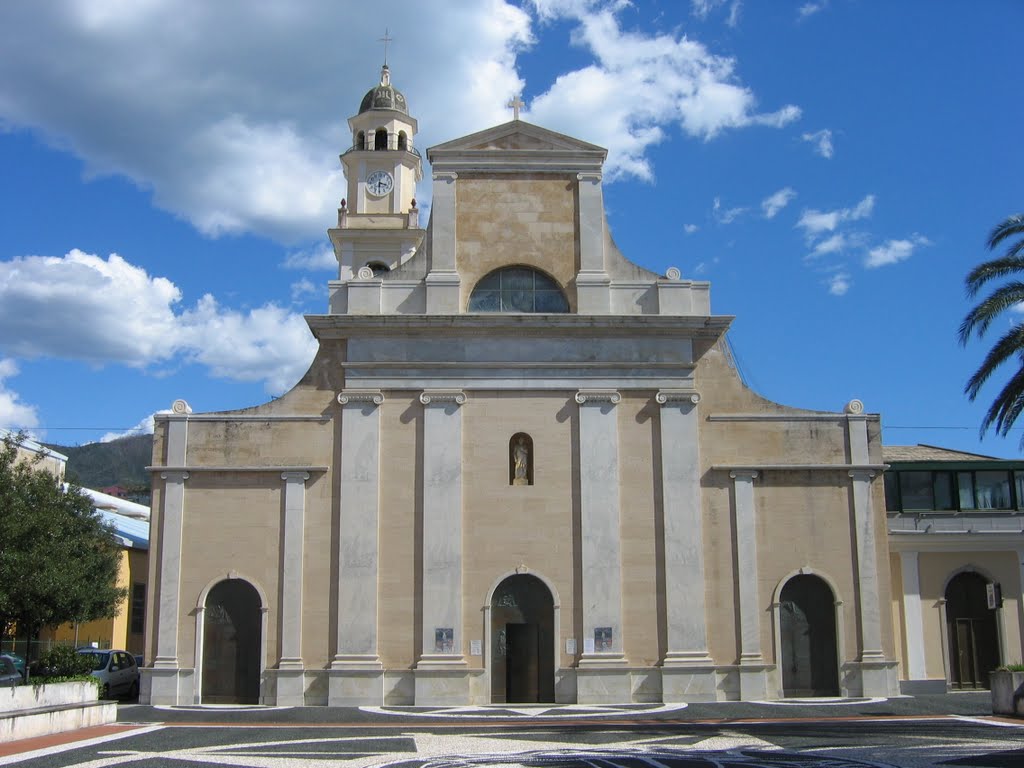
776	744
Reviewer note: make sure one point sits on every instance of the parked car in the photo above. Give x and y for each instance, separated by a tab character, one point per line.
19	661
116	670
9	674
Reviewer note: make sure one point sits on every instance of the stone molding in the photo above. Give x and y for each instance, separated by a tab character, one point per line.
445	176
594	176
164	471
598	396
180	407
295	475
440	396
365	273
374	396
854	407
174	475
673	273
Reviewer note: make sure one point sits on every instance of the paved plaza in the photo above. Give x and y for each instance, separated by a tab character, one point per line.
910	732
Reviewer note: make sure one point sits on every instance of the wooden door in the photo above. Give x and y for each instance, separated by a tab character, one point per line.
523	682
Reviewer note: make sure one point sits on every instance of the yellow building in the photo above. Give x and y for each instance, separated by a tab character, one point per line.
126	630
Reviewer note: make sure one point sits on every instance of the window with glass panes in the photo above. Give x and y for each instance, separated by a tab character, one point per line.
518	289
942	490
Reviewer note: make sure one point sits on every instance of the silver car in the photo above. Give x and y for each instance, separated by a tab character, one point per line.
117	672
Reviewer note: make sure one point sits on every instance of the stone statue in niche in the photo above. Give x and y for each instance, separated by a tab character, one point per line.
521	447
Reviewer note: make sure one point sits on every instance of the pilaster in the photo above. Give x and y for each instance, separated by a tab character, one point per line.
290	669
753	678
688	672
602	675
441	670
593	294
357	676
164	683
443	280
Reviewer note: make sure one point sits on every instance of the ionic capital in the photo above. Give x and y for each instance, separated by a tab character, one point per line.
374	396
665	396
598	396
442	396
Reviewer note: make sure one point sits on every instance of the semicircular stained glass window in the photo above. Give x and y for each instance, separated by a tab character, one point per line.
517	289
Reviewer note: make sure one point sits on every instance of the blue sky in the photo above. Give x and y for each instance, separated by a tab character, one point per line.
168	171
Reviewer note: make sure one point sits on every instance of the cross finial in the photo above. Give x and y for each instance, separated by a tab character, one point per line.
386	39
515	104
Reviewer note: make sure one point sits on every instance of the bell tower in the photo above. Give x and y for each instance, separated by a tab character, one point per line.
378	221
382	166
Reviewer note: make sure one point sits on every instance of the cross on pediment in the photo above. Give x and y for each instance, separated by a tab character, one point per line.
515	105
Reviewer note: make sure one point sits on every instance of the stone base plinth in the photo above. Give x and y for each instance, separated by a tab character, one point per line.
603	678
355	684
442	680
290	686
688	682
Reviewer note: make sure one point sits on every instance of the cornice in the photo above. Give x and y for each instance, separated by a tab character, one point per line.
346	326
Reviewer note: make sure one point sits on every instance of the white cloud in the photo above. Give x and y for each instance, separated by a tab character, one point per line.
638	86
726	215
703	8
14	413
240	132
822	141
83	307
839	283
144	427
774	203
809	9
304	288
894	251
319	258
690	228
833	244
815	222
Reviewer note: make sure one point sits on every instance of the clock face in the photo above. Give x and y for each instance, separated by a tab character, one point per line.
379	183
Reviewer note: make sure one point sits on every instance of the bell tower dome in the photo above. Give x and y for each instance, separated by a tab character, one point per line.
382	166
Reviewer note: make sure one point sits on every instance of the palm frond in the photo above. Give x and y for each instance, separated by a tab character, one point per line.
993	269
1007	347
1011	226
1006	407
983	314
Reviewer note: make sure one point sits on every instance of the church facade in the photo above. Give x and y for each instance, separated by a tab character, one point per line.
521	468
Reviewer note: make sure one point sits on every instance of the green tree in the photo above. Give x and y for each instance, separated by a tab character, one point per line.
1009	402
58	561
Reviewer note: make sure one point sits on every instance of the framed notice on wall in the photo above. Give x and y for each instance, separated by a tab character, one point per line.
444	640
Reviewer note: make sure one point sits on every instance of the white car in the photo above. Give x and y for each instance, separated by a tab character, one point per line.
117	672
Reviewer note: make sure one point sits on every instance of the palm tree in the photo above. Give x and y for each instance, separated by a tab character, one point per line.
1009	403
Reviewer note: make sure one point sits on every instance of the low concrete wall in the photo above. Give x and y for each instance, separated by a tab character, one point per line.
1007	692
38	710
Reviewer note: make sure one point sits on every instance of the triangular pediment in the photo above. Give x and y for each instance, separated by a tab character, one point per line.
516	135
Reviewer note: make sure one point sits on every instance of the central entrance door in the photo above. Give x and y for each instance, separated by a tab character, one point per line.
522	642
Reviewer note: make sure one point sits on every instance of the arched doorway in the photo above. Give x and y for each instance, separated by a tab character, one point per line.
522	641
807	618
231	644
973	639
